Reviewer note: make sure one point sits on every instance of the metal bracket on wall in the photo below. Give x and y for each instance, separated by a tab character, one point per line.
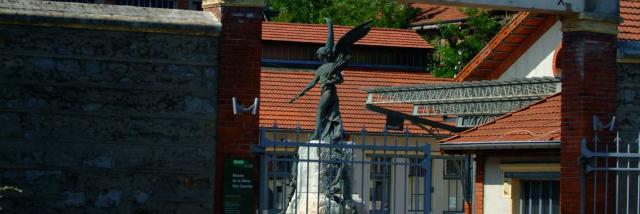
238	108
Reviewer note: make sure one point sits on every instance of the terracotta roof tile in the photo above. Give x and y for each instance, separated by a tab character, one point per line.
433	14
537	122
279	85
316	33
629	29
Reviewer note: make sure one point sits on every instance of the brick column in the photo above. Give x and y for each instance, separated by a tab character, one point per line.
588	89
478	201
240	51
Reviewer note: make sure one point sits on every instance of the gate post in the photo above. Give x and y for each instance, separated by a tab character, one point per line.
238	75
588	67
263	183
426	164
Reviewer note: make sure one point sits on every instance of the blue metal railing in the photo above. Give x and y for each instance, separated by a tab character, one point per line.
387	158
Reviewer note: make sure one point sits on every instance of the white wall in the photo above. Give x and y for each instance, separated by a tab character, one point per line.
537	61
494	201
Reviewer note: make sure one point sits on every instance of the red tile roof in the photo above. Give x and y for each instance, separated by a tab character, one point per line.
538	122
277	86
433	14
506	47
317	33
630	28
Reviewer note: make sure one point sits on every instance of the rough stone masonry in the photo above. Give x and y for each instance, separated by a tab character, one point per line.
107	109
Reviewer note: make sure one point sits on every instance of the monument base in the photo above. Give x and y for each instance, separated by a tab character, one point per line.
309	198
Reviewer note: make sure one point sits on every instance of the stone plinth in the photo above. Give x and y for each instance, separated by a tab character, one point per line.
309	196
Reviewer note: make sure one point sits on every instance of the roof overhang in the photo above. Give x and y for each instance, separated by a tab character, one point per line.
436	24
499	145
558	7
414	119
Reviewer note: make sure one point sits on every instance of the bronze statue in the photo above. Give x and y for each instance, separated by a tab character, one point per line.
334	59
335	179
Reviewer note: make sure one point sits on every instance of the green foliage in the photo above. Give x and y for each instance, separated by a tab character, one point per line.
385	13
455	45
7	188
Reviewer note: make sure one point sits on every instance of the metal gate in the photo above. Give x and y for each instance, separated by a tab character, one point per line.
386	173
613	171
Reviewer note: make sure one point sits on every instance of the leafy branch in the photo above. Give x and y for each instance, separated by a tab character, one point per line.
456	44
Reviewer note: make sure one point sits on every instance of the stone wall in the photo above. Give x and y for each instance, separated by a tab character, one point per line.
628	112
107	109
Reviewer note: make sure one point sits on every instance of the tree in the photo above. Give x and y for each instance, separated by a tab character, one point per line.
456	44
385	13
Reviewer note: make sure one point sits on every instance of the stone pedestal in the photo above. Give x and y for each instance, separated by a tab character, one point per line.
309	197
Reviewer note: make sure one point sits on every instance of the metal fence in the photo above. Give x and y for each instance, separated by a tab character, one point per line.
613	171
79	1
384	173
148	3
170	4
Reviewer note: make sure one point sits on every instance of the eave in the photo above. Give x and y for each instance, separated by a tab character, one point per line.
507	46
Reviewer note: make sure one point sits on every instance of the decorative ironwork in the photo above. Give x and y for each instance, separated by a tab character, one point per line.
476	107
465	91
617	161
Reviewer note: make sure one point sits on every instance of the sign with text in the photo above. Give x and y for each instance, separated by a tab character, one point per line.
238	186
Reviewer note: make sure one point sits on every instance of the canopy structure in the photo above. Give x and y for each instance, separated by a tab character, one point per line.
471	103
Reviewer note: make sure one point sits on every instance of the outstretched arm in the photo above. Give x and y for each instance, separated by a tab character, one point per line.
329	42
306	88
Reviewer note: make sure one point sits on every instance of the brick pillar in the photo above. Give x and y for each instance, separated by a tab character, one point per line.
588	88
240	49
478	201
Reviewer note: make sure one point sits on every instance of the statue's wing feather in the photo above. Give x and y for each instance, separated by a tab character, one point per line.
348	39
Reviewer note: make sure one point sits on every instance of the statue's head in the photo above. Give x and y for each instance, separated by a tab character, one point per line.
323	53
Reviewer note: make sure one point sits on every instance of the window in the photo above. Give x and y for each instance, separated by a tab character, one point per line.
280	182
452	176
381	185
416	181
539	196
452	168
305	54
415	168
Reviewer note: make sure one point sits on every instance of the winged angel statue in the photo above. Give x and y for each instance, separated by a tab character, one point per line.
332	177
334	59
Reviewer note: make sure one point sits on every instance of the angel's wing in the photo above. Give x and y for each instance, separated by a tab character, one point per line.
348	39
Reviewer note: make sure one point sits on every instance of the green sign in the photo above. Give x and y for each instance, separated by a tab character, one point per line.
238	186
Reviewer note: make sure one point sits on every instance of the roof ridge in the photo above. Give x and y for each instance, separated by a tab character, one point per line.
338	26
